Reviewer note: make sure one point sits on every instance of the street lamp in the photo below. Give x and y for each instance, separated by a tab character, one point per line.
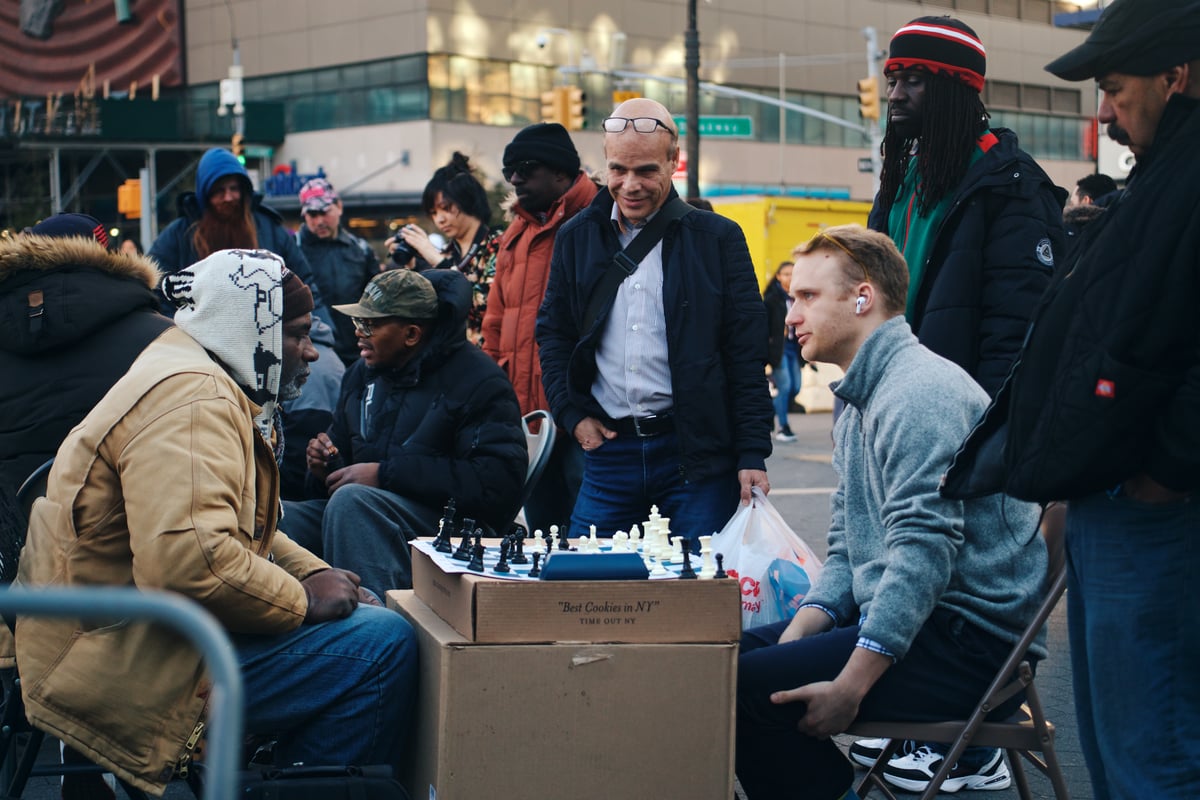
691	65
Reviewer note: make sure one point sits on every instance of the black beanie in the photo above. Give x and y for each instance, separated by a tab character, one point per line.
64	225
297	297
941	45
545	142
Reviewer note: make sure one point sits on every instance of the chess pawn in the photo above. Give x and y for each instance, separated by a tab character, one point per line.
535	544
658	568
620	541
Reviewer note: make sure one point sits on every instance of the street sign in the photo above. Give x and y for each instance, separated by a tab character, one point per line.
866	165
720	127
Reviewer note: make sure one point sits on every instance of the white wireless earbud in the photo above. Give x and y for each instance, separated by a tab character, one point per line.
859	303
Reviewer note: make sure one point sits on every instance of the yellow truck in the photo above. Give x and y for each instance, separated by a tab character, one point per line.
775	225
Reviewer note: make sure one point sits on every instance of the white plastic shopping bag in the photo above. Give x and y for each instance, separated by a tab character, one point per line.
773	566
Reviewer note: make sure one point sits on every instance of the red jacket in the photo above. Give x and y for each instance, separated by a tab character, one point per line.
522	269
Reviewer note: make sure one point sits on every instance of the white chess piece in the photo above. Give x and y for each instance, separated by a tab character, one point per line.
620	541
536	544
657	568
708	568
635	539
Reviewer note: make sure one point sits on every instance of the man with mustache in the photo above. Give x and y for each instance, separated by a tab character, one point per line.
224	212
977	220
542	165
1103	412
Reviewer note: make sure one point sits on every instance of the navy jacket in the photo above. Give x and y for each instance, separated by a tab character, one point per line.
1108	386
991	261
444	425
716	336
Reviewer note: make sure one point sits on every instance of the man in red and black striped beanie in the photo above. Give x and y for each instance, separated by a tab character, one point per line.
978	221
980	225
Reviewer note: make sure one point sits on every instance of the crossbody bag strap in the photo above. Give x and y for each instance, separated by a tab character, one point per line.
626	261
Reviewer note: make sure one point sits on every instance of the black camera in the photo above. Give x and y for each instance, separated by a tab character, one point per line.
404	251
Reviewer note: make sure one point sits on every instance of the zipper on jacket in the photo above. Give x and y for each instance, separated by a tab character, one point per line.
185	760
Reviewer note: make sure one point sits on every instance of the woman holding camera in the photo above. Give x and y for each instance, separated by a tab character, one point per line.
458	205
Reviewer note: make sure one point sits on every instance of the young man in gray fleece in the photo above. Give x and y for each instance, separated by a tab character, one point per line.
921	598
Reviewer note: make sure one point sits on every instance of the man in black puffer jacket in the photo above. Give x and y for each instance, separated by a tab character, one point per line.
73	317
423	417
978	221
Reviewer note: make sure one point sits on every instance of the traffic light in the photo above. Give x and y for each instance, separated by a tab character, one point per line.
129	198
238	146
868	98
576	108
554	106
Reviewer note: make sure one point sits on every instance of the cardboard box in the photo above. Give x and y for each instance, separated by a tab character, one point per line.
558	721
661	612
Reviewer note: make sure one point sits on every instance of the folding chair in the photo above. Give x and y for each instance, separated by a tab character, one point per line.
1024	735
540	445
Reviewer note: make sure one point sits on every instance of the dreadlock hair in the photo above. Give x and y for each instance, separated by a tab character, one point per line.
954	116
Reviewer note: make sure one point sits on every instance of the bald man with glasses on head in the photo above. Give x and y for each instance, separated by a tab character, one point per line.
655	363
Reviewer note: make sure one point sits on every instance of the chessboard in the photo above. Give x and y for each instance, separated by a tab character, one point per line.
648	551
517	571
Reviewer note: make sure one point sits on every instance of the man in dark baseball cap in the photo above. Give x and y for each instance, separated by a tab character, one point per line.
1136	38
424	416
1115	349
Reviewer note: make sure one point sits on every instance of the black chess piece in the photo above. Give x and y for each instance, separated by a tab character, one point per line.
476	563
463	553
518	556
442	543
563	542
502	564
536	569
720	573
687	573
549	540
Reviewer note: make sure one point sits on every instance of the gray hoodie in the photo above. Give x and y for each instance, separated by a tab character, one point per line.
897	549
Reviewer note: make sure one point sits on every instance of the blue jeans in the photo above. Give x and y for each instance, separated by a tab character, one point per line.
624	476
362	529
334	693
1134	621
947	669
787	381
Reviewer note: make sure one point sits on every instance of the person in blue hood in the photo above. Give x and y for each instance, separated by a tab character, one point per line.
225	213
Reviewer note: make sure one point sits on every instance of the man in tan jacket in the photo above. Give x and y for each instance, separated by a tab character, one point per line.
171	483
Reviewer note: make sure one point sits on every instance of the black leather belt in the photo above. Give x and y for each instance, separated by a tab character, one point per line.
644	427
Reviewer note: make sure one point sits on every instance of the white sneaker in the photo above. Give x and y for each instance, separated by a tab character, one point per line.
868	751
978	768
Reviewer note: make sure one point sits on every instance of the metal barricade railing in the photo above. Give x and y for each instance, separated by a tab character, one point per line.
225	708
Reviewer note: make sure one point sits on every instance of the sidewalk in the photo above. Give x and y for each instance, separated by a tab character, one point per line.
801	482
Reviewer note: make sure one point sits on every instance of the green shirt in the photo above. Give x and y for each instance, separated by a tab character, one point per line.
915	233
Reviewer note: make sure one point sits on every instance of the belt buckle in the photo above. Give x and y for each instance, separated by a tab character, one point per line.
637	425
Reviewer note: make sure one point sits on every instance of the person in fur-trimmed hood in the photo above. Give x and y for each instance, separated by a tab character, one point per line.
73	317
